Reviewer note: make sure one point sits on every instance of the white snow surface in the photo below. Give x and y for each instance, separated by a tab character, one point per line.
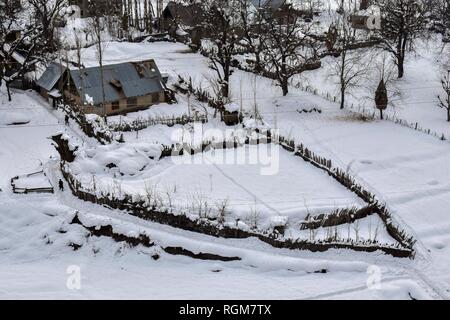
33	181
408	169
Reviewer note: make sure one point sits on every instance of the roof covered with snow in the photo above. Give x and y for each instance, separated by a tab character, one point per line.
232	107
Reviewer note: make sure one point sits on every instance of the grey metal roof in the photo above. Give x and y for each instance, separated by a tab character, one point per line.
51	76
121	81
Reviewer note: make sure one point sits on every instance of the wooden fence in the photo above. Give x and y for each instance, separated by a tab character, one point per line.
373	114
48	189
344	178
98	131
350	183
206	145
140	124
213	228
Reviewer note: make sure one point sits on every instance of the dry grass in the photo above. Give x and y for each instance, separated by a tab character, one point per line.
354	117
184	51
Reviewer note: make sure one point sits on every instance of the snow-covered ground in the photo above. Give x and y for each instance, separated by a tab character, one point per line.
36	180
25	147
413	98
220	176
407	169
36	262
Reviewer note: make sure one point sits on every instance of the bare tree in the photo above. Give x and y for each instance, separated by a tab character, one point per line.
220	21
19	42
445	18
313	6
444	102
403	21
439	13
251	23
78	46
98	26
350	67
290	50
46	14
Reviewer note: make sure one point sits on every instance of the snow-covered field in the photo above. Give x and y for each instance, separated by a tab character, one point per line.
408	169
414	98
219	176
36	180
36	262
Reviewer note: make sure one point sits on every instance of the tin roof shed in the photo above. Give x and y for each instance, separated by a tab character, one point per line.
51	76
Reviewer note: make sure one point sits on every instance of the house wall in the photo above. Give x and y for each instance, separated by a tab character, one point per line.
142	103
43	93
359	22
12	36
74	99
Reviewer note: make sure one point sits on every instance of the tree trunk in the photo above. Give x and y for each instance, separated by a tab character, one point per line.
100	62
448	114
50	37
226	81
401	69
8	90
282	75
136	14
343	70
381	114
285	87
225	89
342	99
258	67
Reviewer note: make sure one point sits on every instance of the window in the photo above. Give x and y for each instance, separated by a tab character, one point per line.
132	102
115	105
155	97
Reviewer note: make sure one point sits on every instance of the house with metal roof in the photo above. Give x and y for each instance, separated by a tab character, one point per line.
281	10
120	88
186	15
268	4
183	21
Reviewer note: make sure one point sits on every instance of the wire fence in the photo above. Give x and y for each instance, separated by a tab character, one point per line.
372	114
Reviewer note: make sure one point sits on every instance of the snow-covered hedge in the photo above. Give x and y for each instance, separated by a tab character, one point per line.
182	220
